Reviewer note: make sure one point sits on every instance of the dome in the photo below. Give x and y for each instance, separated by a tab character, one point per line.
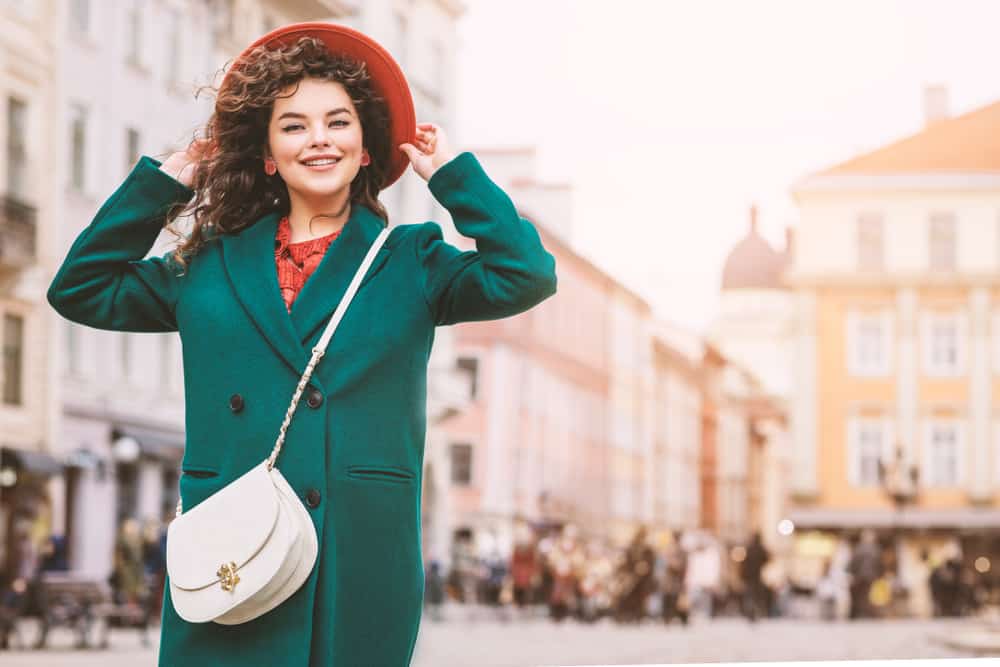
753	263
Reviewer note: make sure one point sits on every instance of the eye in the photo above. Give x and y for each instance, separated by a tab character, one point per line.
288	128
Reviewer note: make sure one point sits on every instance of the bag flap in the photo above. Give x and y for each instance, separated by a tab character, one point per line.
229	526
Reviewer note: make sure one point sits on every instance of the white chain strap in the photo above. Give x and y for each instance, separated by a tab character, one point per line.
320	349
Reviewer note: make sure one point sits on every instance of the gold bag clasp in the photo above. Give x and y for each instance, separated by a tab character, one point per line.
227	576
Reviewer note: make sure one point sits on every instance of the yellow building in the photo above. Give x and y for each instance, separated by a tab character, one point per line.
896	344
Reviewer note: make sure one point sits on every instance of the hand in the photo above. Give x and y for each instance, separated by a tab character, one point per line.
183	165
431	151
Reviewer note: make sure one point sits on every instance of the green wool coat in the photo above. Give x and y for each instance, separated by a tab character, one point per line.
356	441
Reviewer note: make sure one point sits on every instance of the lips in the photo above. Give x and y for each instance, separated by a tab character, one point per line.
322	167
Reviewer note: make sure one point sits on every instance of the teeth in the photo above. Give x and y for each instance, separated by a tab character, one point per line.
321	162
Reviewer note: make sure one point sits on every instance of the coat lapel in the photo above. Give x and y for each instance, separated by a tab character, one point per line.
249	262
322	292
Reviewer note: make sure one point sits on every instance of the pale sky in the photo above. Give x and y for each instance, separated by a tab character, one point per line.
669	118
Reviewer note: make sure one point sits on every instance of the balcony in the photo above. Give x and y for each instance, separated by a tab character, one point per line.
18	230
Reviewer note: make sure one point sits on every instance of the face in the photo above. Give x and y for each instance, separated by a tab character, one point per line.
318	119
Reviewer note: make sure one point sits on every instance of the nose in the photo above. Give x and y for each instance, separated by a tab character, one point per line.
320	135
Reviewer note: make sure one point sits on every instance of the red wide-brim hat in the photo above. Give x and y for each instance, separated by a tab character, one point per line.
387	78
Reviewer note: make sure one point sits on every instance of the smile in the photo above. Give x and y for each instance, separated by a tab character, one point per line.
321	165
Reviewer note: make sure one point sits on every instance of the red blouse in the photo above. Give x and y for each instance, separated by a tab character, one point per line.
297	261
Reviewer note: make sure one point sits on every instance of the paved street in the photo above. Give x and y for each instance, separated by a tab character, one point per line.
484	641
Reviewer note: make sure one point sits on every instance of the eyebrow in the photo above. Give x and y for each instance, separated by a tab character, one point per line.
293	114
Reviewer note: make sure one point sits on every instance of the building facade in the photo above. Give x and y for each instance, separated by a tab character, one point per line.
897	340
28	459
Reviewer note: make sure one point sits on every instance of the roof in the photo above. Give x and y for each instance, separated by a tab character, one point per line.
966	143
753	263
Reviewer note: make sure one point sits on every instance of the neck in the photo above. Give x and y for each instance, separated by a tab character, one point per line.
328	215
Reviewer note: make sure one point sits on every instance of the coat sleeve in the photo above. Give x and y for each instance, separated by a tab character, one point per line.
509	272
104	282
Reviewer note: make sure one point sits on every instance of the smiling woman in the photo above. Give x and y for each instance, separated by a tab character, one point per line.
351	460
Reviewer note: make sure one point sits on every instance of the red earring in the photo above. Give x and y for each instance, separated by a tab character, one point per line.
365	159
269	167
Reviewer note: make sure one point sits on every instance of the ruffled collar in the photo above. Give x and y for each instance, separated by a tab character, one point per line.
284	234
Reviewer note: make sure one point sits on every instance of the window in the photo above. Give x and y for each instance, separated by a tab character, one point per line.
78	146
461	464
869	441
26	8
131	148
79	14
470	366
942	453
869	336
996	452
126	355
134	37
13	358
166	363
173	30
17	152
439	69
942	242
943	343
870	243
72	349
402	36
268	23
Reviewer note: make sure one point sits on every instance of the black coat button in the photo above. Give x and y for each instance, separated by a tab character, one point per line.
312	498
314	398
235	402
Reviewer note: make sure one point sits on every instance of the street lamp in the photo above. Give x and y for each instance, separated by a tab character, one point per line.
899	480
126	449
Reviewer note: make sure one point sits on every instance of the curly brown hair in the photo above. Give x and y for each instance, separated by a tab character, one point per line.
231	189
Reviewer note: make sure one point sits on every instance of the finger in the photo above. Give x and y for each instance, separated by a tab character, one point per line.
410	150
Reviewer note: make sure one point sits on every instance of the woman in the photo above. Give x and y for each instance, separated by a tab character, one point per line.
354	452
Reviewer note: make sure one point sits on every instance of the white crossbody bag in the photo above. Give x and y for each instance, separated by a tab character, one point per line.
246	548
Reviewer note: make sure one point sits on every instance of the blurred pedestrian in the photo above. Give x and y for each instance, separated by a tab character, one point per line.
921	605
565	560
434	590
675	603
524	567
128	569
755	596
704	575
864	568
636	572
829	589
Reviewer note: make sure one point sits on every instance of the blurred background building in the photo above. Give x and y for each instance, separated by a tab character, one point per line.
896	344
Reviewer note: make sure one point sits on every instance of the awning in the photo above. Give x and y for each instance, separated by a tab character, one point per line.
29	460
959	518
159	444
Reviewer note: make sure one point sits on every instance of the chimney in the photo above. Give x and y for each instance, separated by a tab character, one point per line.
935	104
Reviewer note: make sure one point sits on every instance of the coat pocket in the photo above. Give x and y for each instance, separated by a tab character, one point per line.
196	484
380	473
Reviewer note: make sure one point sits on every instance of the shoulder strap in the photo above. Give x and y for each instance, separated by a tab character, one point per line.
321	344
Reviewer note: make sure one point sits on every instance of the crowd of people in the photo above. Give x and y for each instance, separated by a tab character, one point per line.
693	574
570	576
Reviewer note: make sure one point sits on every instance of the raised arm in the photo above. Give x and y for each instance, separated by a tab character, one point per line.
509	272
104	282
